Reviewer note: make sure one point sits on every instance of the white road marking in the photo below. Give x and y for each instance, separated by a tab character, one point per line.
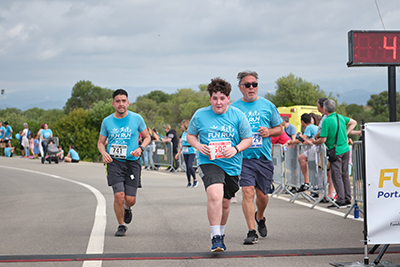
96	240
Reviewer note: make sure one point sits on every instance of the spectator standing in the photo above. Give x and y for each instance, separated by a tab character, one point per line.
339	168
45	133
257	167
9	131
25	139
32	145
39	134
171	136
189	153
156	157
122	156
148	153
73	155
289	129
2	132
36	143
224	132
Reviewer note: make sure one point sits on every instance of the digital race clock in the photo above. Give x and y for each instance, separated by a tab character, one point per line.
374	48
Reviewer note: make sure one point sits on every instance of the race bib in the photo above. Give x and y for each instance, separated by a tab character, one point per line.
257	140
219	148
185	149
118	151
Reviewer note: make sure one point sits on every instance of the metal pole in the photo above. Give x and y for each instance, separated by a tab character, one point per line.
366	259
392	93
2	101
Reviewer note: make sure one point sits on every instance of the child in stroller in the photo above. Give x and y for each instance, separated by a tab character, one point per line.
51	150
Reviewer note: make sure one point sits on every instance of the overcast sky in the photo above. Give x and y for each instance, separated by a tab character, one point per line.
46	46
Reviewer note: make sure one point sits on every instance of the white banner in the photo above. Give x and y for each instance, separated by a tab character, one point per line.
382	159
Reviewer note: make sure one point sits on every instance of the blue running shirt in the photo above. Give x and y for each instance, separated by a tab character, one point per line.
222	130
122	135
186	147
311	130
259	113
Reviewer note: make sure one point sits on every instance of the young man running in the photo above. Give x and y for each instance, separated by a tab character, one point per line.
224	132
122	156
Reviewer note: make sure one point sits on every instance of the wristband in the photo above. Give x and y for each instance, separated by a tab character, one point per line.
141	148
237	150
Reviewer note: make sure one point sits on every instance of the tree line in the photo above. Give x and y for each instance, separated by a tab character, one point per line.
78	123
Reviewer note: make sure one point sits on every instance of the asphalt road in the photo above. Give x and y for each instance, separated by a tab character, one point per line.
62	215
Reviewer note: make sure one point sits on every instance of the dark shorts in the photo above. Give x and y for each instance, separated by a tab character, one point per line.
125	173
74	160
257	173
213	174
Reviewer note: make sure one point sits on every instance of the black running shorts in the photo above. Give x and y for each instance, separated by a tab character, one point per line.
213	174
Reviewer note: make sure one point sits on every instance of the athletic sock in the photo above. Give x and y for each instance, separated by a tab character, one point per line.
215	230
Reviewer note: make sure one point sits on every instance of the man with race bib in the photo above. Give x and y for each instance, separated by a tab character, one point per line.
223	132
257	167
122	156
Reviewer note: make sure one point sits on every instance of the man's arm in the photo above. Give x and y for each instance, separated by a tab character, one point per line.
319	141
351	125
102	149
274	131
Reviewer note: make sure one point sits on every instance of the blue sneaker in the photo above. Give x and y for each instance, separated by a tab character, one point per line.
194	183
218	244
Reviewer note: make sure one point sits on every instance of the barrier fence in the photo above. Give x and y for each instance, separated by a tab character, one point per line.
163	154
287	173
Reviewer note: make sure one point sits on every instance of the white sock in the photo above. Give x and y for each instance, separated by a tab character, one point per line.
222	229
215	230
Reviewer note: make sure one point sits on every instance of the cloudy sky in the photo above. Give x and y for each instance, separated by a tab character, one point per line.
46	46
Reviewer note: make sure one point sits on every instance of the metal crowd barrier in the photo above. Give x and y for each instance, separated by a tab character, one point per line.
278	162
358	174
163	154
287	171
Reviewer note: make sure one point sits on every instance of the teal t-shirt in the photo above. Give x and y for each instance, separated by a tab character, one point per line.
122	135
311	130
186	147
7	151
74	155
227	129
329	128
259	113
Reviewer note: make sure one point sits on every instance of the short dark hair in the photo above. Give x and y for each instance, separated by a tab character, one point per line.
321	101
306	118
285	118
219	85
120	92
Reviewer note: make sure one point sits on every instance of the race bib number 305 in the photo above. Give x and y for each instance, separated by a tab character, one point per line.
219	148
118	151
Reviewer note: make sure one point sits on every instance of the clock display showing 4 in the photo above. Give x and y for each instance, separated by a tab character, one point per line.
374	48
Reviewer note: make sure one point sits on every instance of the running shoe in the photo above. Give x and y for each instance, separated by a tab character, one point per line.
251	238
303	188
262	228
121	231
189	185
195	183
128	215
218	244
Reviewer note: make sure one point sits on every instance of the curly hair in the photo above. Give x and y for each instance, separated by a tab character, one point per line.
219	85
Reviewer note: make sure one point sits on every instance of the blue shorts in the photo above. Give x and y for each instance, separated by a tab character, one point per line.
257	173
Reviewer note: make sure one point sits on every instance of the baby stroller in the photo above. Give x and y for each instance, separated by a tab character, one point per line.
51	150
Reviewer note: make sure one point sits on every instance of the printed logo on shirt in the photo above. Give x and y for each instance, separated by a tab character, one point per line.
226	132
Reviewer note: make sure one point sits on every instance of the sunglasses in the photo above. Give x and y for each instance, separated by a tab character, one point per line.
247	85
